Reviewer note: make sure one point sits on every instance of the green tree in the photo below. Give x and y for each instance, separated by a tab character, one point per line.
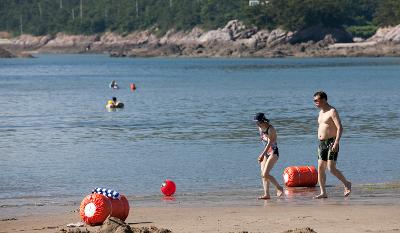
388	13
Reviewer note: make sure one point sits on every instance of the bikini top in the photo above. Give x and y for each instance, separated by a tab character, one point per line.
266	131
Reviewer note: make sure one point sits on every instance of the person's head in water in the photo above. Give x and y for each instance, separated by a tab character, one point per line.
260	119
114	99
320	98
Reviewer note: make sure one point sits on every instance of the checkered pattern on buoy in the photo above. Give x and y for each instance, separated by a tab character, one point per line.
107	192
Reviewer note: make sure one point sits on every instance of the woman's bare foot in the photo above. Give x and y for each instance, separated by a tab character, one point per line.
347	189
265	197
279	192
321	196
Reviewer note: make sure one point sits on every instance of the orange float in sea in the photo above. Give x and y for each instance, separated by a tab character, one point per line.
133	87
300	176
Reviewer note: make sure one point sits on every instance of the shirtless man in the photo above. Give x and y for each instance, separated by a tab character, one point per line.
329	133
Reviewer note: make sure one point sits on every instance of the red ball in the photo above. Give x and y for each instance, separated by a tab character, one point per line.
168	188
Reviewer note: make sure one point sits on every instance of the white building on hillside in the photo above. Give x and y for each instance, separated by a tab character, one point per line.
257	2
254	2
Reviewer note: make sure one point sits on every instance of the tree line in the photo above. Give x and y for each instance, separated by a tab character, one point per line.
41	17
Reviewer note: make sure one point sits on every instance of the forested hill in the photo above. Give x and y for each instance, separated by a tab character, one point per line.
40	17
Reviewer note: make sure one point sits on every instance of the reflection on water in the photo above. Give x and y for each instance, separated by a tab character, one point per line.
189	120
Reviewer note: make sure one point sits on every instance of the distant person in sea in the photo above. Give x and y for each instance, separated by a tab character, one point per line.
329	133
269	156
114	103
114	85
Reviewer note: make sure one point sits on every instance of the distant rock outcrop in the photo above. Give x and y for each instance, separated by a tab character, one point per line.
4	53
318	33
235	39
70	43
387	34
31	42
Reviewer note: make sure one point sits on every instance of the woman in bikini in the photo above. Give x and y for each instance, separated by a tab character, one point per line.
269	156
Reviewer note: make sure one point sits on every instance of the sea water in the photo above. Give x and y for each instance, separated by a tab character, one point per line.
189	120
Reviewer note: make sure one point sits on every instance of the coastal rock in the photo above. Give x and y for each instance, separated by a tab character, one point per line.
180	37
4	53
215	35
232	31
278	36
70	42
119	45
5	35
237	30
233	40
318	33
30	41
142	37
258	40
387	34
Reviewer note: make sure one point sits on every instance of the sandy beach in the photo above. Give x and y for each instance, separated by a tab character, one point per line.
370	208
267	218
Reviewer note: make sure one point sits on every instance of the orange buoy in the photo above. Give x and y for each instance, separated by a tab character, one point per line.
133	87
300	176
168	188
120	208
95	208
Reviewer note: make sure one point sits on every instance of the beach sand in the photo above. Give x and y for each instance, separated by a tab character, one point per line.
265	218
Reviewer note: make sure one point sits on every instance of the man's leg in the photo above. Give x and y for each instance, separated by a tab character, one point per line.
321	179
347	184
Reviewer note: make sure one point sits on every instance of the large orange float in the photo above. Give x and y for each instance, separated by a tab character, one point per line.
94	209
300	176
120	208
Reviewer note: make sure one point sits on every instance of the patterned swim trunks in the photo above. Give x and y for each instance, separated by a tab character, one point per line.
325	152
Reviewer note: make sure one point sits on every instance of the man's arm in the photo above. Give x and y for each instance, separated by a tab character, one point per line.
339	127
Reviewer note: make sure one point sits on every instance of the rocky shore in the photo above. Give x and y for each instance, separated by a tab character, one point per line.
233	40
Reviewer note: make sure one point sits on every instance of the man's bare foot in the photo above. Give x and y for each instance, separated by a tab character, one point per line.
347	189
279	192
320	196
265	197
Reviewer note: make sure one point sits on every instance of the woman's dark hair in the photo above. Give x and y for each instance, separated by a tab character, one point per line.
260	117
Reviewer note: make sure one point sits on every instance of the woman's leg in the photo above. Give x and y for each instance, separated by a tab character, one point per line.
272	159
265	182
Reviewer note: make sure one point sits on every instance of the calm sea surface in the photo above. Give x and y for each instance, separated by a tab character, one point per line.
190	120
